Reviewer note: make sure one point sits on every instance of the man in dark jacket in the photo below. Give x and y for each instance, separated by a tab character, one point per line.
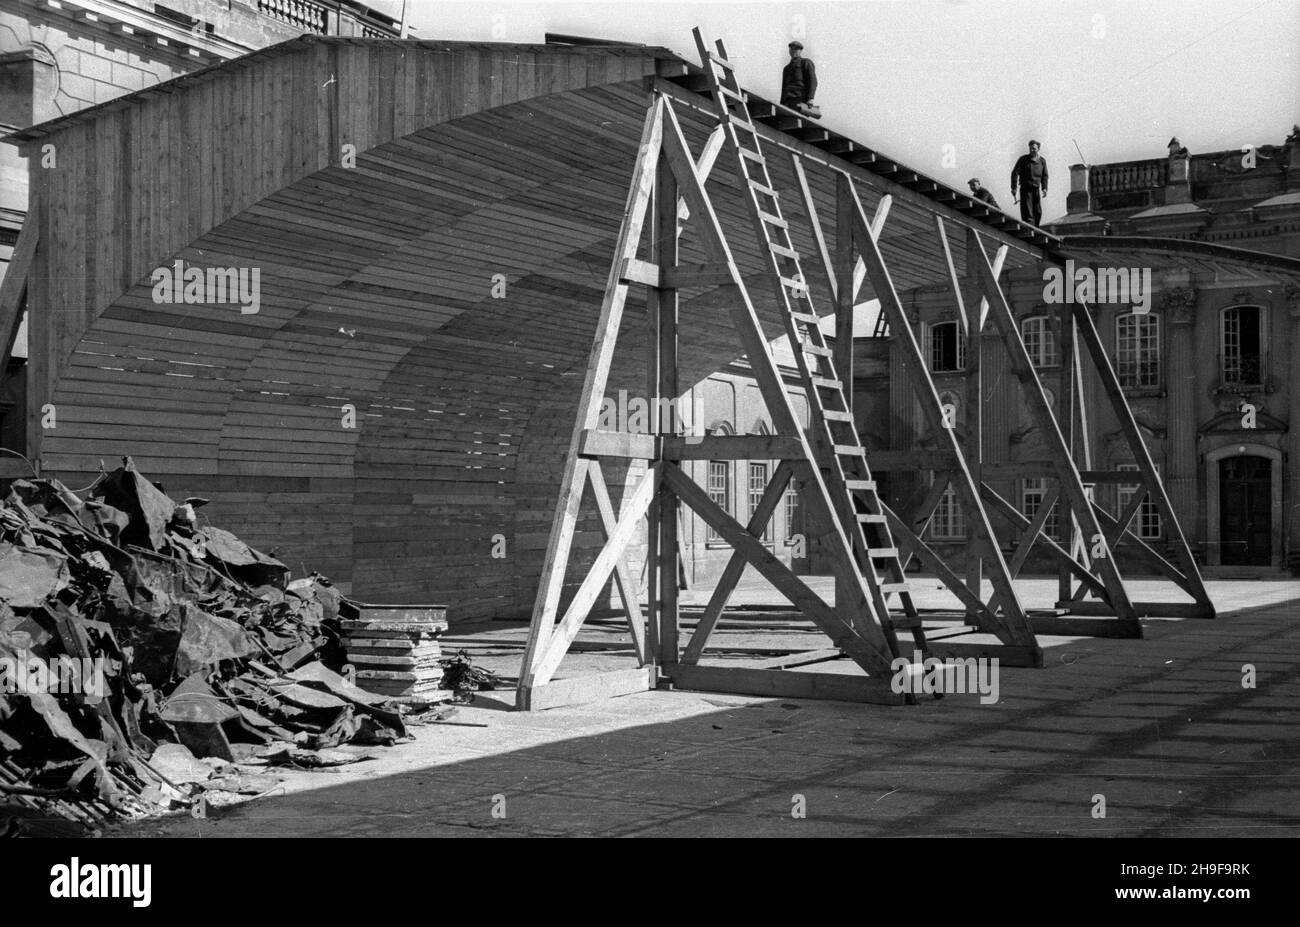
982	193
798	79
1030	174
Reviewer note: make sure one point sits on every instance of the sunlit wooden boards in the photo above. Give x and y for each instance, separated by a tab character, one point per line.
432	224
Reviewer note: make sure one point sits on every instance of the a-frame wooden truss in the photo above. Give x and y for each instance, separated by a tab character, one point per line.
867	543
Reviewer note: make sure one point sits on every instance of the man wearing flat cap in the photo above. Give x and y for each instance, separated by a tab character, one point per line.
982	193
1030	174
798	79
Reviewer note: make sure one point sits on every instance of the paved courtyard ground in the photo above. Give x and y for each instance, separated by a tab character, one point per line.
1161	728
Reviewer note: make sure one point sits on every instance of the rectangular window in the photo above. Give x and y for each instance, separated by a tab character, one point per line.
719	489
758	483
1243	345
1146	523
1040	341
948	523
1032	494
1137	350
947	348
791	514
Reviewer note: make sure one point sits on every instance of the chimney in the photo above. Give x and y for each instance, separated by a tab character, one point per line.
1078	200
1178	186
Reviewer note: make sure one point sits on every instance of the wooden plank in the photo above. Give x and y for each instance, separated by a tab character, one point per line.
1076	626
1006	655
1144	609
786	684
581	690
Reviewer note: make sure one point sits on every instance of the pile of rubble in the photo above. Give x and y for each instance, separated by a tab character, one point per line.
137	641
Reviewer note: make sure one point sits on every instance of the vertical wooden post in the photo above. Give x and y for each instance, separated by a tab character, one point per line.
969	307
664	252
1069	399
844	296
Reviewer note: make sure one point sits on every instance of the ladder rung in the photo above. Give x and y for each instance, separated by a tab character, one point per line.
773	220
744	124
868	519
794	284
835	415
824	383
887	588
763	189
722	88
752	155
805	317
856	485
816	350
782	250
722	61
848	450
883	553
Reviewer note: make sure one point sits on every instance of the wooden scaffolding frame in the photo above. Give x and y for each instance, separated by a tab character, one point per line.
868	545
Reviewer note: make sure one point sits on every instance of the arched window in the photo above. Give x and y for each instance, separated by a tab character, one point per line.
945	347
1243	342
1137	350
1040	340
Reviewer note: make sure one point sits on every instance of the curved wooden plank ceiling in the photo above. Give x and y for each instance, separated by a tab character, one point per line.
376	292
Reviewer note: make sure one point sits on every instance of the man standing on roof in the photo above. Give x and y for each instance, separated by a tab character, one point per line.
1030	173
799	81
982	193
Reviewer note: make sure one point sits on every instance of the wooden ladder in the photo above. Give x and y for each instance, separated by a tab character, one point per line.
839	451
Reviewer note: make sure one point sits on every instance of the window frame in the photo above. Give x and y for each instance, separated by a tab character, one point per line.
711	535
961	346
1039	488
948	523
1130	370
1233	375
1041	359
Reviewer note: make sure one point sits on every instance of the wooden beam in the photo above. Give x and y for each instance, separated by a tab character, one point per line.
1012	624
14	287
689	275
1048	429
574	477
627	590
580	690
949	649
1035	529
1020	522
618	444
772	386
736	680
562	634
735	567
664	385
872	656
1142	456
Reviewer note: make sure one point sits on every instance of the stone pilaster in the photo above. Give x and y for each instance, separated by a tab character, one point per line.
1178	309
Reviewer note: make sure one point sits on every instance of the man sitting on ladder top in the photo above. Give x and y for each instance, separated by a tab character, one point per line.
799	83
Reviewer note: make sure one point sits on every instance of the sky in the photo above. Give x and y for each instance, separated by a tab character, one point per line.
955	88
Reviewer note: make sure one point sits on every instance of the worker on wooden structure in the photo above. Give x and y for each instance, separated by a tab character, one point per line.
982	193
799	82
1030	174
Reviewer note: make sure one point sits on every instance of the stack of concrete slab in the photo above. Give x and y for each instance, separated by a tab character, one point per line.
395	648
